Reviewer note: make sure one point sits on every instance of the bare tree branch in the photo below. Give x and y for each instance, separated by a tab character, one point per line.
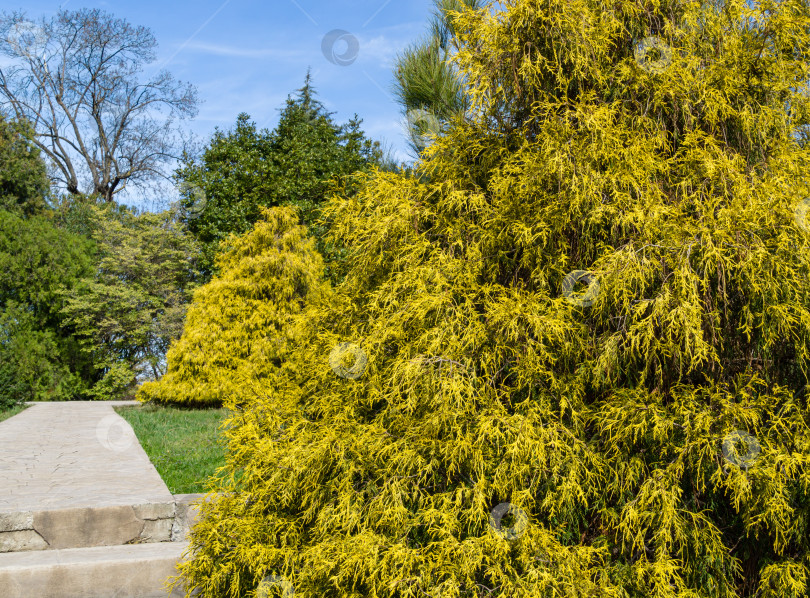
75	78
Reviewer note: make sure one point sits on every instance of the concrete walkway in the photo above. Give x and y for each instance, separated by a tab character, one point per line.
74	454
83	512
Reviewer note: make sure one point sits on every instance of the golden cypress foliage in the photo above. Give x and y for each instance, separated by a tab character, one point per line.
234	327
581	341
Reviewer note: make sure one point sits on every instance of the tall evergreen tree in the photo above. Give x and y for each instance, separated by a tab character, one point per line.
298	164
463	417
39	354
224	190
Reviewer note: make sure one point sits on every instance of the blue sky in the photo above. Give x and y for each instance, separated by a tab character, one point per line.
248	55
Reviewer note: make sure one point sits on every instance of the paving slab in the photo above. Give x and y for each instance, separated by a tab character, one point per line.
70	455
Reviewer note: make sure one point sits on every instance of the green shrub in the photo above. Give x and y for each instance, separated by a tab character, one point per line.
38	262
12	388
31	363
127	311
118	383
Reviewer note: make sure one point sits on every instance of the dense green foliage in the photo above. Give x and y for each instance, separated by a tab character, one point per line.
23	174
35	360
90	299
504	433
132	306
232	329
244	170
37	261
39	357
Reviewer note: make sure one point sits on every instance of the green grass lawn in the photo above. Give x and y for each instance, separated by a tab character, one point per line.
183	444
10	412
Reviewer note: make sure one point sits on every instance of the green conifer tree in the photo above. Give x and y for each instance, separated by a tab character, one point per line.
573	360
245	170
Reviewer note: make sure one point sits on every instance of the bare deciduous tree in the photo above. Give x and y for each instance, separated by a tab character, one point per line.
75	78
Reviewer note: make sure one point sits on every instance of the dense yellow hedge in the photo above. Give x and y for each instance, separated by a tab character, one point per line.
507	431
233	331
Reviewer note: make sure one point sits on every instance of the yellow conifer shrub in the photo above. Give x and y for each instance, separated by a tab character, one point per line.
233	333
570	358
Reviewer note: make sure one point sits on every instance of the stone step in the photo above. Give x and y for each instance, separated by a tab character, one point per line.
131	571
85	527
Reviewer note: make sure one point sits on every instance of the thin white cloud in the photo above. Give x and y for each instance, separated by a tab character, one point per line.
223	50
384	50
